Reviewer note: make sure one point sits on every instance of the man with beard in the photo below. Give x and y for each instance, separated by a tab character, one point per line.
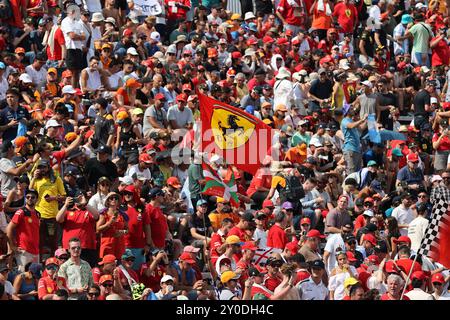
92	78
222	212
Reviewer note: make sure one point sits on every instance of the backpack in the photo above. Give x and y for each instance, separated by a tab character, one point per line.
5	10
293	191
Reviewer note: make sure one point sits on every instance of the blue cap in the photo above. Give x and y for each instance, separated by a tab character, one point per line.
372	163
36	270
69	107
397	152
250	109
128	254
252	26
155	192
201	202
406	18
235	35
2	65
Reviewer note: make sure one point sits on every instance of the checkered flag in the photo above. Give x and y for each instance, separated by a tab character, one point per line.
435	243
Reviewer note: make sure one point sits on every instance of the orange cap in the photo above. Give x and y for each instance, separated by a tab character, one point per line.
52	260
105	277
174	182
71	136
67	74
132	83
19	142
19	50
122	115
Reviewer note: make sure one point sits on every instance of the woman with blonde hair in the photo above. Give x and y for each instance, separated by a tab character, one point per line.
339	274
287	285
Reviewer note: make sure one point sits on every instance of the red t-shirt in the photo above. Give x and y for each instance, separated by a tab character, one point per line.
216	242
96	274
136	237
262	178
152	282
256	290
236	231
17	19
346	16
158	225
385	296
406	264
173	12
271	282
445	142
289	13
123	279
27	230
276	238
359	223
302	275
79	224
253	83
440	53
58	41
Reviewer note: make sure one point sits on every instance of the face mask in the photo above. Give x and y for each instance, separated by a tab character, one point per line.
169	288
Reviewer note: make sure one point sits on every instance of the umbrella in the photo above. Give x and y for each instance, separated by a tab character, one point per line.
387	135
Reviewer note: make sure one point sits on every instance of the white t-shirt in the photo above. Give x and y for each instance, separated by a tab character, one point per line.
4	86
260	235
39	77
182	118
416	231
135	169
404	216
70	25
335	243
6	180
336	283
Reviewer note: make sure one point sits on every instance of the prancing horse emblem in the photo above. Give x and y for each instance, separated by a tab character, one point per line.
233	126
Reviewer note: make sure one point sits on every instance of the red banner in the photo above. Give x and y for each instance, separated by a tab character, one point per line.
239	138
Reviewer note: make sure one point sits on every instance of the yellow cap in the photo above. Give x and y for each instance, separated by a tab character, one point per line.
220	200
227	276
71	136
235	16
281	107
350	282
122	115
137	111
267	121
233	240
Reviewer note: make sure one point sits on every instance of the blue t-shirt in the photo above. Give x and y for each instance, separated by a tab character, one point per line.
411	177
8	114
351	137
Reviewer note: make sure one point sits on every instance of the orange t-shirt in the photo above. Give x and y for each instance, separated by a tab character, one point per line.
320	19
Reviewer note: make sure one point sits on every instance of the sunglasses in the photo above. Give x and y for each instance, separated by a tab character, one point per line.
107	284
63	258
352	242
97	294
51	267
30	197
368	204
422	195
127	193
75	248
130	259
437	284
114	198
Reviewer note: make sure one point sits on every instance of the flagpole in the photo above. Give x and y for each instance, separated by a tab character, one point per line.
409	276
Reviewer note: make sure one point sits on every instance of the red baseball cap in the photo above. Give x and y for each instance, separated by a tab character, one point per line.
267	203
403	239
438	277
390	267
186	86
109	258
268	39
305	221
174	182
127	33
419	275
145	157
351	256
374	259
187	257
446	105
236	55
252	41
295	41
249	245
182	97
130	188
369	199
313	233
160	96
371	238
412	157
292	247
52	260
282	41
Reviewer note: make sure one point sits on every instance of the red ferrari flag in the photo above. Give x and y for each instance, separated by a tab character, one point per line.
239	138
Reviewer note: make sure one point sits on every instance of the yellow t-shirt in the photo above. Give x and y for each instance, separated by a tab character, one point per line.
44	186
216	218
278	180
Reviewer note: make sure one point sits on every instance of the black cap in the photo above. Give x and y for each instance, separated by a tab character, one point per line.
75	153
104	149
371	227
4	267
381	247
155	192
248	216
311	160
258	90
260	71
349	237
71	172
253	272
359	202
317	264
322	126
421	207
102	102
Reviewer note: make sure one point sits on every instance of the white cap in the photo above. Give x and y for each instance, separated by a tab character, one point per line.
166	278
367	83
97	17
425	69
52	123
222	40
249	15
132	51
433	100
343	64
68	89
155	36
420	5
368	213
171	49
127	180
133	18
182	297
435	178
25	78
